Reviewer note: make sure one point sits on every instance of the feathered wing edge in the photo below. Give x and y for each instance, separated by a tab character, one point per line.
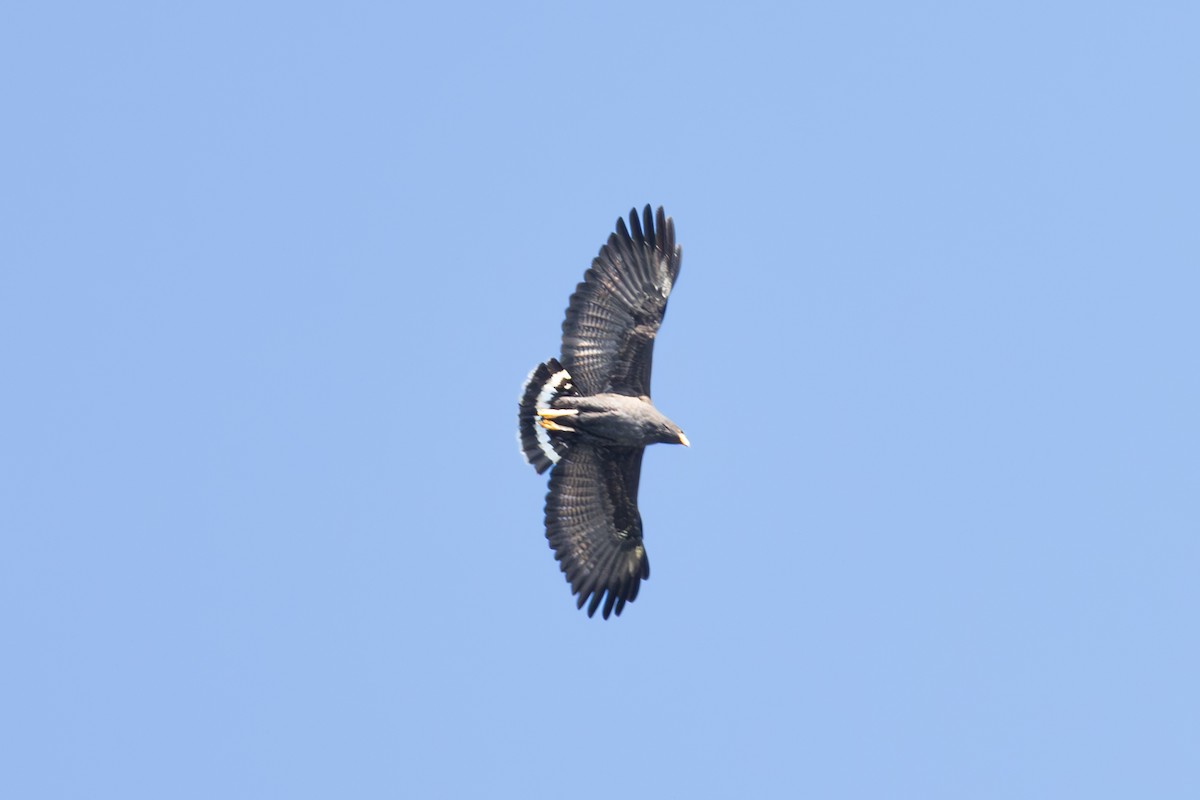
615	312
594	528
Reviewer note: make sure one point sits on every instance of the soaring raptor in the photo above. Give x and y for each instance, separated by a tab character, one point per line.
588	413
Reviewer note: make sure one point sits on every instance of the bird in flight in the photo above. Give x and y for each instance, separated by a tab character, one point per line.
588	413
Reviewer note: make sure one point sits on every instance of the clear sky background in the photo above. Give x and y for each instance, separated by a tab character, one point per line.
271	276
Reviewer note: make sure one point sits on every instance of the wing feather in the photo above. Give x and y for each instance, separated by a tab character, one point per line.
615	313
593	525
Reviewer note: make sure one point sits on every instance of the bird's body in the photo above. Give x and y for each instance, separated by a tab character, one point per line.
590	415
614	420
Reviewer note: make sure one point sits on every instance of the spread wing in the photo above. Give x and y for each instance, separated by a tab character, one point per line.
594	527
608	335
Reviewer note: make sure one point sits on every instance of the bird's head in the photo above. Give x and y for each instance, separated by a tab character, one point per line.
671	434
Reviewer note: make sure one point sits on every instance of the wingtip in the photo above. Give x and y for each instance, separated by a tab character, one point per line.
635	227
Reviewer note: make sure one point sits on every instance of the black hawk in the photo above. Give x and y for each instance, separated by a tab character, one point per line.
588	413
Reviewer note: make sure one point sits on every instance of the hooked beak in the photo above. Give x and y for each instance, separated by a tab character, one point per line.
683	440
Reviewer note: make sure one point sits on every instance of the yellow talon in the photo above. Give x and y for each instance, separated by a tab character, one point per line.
551	413
550	425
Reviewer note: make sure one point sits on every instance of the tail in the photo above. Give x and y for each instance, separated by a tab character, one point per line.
542	446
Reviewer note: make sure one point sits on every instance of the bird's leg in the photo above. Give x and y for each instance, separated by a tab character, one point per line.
551	413
548	415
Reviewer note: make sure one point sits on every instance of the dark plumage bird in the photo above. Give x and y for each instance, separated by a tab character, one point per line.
588	413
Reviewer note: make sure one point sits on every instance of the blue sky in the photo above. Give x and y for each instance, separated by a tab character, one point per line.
271	276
